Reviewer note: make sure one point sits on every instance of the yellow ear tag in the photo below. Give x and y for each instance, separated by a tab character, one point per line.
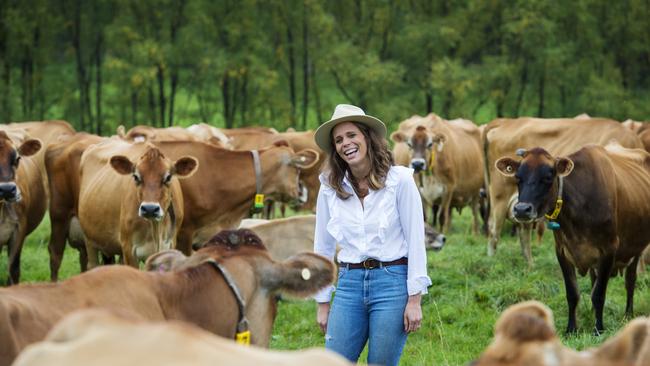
259	200
243	338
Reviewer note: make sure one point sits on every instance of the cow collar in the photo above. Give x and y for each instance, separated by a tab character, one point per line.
259	196
243	335
552	224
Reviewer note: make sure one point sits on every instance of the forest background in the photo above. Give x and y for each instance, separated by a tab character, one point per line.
232	63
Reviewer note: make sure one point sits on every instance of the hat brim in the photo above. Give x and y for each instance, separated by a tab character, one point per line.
323	135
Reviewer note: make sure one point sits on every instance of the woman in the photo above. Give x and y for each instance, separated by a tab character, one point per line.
373	211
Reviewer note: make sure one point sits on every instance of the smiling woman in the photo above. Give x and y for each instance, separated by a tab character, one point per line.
372	210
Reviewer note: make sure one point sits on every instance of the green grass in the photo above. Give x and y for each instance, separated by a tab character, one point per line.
469	292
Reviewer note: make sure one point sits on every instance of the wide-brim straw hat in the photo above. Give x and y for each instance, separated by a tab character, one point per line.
346	113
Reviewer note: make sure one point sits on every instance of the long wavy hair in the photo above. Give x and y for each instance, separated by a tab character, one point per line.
381	159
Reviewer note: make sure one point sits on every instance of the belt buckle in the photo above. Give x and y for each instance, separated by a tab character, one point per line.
367	264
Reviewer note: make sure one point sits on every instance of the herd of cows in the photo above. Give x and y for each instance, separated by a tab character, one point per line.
159	196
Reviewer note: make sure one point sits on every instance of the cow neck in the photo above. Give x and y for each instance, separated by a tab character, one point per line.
558	201
258	203
243	333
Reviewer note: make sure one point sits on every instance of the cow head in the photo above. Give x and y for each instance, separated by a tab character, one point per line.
432	239
536	175
9	160
525	335
281	168
423	145
152	175
257	276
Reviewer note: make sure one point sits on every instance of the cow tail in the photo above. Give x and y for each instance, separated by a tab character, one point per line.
486	166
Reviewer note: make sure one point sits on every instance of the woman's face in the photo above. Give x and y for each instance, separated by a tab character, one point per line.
350	143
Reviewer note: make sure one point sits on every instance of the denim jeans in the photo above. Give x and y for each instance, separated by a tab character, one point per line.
369	306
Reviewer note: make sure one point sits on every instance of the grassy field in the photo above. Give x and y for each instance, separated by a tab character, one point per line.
469	292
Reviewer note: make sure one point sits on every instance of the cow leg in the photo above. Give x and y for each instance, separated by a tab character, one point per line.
445	212
605	265
14	251
128	252
93	254
570	287
496	220
524	241
540	231
56	246
630	284
475	216
184	241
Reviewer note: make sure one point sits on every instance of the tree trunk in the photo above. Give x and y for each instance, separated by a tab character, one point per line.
244	100
152	106
522	87
174	74
134	107
27	70
428	98
162	102
305	67
292	73
99	44
225	94
319	109
540	108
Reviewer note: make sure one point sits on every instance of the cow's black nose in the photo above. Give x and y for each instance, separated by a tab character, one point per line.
8	190
524	210
417	165
150	210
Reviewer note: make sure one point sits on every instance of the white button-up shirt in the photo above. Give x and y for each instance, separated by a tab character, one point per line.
388	226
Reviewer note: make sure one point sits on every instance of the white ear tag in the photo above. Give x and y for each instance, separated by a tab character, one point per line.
306	274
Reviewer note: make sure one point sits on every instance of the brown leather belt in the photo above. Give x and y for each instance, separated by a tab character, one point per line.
372	263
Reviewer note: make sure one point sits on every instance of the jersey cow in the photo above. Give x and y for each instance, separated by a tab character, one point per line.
503	137
130	200
22	197
222	191
447	158
597	200
198	290
127	341
62	160
525	335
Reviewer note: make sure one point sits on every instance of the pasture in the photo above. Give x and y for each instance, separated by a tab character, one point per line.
469	291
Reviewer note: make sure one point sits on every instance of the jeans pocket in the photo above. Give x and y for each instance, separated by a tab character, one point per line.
342	271
399	270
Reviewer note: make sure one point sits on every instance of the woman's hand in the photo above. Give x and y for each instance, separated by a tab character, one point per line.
413	314
322	314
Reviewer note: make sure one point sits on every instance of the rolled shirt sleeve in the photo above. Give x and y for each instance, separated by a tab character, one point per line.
324	243
409	206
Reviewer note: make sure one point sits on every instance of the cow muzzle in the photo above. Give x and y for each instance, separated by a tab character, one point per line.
418	164
151	211
524	212
9	192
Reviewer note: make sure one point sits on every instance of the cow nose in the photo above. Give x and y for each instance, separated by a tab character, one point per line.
418	164
524	210
150	210
8	191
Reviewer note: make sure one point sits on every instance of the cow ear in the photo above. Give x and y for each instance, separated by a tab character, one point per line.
29	147
121	131
301	275
305	159
507	166
185	167
122	164
281	142
563	166
165	261
398	136
439	140
631	343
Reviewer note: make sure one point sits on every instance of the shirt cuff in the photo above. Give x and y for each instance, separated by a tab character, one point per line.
418	285
324	295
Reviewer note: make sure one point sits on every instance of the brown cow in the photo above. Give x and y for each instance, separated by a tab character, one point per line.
141	133
222	191
210	134
195	292
448	159
62	161
249	138
525	335
23	197
502	137
598	200
130	200
100	337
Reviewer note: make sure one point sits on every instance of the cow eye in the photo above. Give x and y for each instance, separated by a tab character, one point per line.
429	145
137	179
410	144
17	161
167	178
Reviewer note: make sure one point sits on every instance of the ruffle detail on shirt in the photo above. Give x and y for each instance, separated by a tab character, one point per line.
388	205
418	285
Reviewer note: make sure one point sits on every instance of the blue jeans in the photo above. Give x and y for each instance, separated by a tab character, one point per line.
369	306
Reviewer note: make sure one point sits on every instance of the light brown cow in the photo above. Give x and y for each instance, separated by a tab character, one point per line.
210	134
525	335
130	200
195	292
62	161
99	337
503	137
447	158
250	138
23	197
222	191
